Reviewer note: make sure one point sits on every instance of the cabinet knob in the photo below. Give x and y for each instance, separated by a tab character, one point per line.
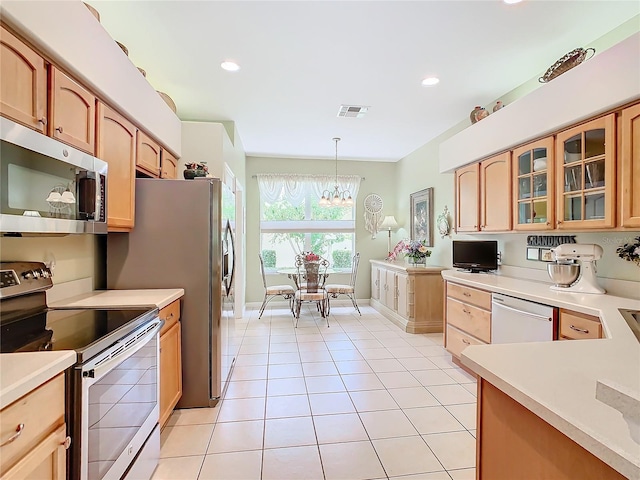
466	342
42	120
169	317
19	430
67	443
548	223
59	129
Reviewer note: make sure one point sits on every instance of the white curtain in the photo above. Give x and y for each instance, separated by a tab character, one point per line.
295	186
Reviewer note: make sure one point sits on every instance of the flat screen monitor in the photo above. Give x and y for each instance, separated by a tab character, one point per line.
475	255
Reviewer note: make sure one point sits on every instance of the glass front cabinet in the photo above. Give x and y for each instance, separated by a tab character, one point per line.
585	175
533	186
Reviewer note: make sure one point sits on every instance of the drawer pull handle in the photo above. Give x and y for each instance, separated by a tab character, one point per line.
67	443
19	430
581	330
466	342
42	120
466	294
169	317
59	129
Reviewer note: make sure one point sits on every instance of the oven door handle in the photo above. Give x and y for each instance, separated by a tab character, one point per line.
90	370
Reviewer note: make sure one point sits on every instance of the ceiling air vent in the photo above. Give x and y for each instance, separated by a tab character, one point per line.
352	111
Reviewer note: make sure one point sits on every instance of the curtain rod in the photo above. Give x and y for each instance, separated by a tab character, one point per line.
256	176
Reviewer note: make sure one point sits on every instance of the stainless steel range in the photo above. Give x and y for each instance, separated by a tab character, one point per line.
112	391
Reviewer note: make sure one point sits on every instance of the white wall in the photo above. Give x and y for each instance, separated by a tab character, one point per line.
379	178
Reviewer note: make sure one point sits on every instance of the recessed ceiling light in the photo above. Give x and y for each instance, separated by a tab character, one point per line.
430	81
511	2
230	66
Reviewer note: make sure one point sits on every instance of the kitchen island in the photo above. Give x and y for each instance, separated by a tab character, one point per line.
557	381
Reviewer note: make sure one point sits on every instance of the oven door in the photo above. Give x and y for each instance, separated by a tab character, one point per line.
116	406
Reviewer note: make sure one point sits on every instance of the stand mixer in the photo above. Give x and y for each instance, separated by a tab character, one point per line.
586	254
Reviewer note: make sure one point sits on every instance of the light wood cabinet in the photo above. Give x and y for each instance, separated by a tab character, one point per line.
534	186
467	197
585	175
512	442
169	166
629	164
412	297
23	83
483	195
116	145
170	360
375	282
38	450
495	193
388	288
147	154
467	316
578	326
72	112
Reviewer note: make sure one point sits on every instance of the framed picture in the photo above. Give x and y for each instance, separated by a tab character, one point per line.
532	253
422	216
546	255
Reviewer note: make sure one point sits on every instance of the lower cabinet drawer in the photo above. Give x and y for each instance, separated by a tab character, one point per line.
458	340
40	411
170	314
578	326
468	318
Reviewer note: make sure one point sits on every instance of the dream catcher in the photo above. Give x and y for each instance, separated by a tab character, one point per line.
372	213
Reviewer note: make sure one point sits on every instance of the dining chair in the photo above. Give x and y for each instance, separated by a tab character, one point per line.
335	289
310	280
285	291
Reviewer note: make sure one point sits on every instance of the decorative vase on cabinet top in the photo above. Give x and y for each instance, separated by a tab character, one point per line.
478	114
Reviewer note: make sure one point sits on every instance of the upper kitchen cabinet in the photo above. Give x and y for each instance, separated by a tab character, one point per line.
495	193
116	145
585	178
147	155
630	167
467	182
23	83
72	111
169	166
533	186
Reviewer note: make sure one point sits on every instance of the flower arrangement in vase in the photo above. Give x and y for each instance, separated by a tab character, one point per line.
311	257
416	251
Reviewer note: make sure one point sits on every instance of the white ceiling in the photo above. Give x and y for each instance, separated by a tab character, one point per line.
300	60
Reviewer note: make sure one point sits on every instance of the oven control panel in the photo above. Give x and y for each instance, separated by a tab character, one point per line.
18	278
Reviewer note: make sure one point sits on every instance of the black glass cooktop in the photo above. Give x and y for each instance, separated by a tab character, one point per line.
87	331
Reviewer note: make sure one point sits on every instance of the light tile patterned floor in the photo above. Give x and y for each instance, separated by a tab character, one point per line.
358	400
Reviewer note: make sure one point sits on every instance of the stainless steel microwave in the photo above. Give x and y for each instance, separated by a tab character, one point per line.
47	186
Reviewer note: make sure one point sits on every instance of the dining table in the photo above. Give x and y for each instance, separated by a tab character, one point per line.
292	273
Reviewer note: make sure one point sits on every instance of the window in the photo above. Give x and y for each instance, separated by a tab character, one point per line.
292	221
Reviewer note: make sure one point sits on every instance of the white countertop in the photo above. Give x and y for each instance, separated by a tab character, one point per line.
557	380
22	372
121	298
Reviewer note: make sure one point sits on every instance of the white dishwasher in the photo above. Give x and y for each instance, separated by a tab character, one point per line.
514	320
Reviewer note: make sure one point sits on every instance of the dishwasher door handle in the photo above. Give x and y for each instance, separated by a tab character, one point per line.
524	312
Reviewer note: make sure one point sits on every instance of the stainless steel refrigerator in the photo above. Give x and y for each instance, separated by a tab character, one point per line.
183	238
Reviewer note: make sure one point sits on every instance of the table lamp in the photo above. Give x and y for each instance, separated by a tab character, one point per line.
389	223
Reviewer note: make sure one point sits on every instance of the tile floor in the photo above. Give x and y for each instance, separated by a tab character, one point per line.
358	400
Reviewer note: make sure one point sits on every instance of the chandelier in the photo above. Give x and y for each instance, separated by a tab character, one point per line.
337	198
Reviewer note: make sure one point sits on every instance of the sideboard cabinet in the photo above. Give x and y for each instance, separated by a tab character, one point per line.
410	296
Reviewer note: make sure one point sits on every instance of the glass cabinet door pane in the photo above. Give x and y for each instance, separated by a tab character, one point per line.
594	142
573	149
524	163
524	213
539	159
594	174
540	211
524	187
573	178
573	208
594	206
540	185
